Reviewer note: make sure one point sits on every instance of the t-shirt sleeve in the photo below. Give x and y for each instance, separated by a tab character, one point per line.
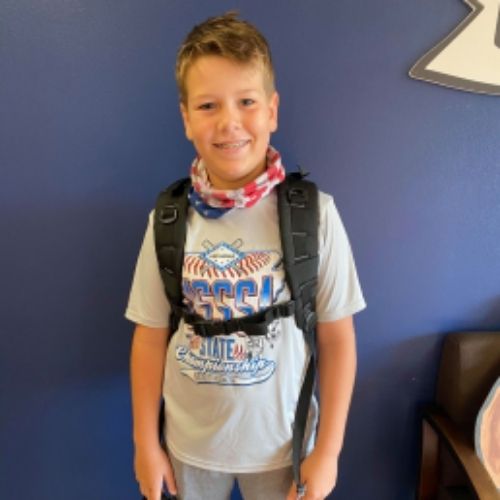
339	292
148	304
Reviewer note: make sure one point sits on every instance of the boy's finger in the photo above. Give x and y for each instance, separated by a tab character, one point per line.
145	492
154	492
170	481
291	492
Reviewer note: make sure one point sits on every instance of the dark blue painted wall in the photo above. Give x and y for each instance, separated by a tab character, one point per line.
89	132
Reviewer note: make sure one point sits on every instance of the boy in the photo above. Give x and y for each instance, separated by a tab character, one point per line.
230	399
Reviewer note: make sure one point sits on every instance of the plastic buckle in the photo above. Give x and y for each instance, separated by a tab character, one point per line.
168	214
301	490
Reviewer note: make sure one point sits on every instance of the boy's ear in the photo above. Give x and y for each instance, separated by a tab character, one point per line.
185	119
274	103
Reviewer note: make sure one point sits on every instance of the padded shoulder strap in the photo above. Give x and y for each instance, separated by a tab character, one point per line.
170	236
299	219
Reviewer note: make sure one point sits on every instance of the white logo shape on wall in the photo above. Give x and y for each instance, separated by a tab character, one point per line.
469	57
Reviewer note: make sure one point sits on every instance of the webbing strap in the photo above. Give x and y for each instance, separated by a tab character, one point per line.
254	324
301	414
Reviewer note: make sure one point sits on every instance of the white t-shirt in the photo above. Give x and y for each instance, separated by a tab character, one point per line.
230	400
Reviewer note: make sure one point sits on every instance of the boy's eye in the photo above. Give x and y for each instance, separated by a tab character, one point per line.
247	102
207	105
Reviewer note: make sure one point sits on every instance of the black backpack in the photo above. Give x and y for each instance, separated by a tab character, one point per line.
298	220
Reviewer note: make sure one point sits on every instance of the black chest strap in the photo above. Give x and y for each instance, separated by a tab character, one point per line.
254	324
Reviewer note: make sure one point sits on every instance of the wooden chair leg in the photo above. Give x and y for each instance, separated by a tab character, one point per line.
429	464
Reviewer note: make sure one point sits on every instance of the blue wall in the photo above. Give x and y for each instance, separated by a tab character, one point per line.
89	132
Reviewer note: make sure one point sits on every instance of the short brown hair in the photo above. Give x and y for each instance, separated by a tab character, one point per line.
225	36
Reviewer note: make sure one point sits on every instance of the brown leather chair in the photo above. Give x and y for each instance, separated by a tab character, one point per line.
450	468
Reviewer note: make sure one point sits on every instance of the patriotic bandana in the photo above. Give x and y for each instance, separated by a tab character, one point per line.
213	203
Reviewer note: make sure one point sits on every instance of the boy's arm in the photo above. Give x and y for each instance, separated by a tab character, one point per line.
147	362
336	367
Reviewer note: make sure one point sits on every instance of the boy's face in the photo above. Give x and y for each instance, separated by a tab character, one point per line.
229	117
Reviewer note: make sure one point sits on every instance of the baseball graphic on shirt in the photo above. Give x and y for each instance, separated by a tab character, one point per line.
469	57
223	281
220	283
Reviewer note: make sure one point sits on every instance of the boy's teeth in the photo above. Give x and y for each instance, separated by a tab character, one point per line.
231	145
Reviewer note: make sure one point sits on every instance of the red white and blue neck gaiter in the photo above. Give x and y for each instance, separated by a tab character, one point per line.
213	203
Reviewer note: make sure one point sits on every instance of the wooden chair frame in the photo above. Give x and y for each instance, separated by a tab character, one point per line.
439	430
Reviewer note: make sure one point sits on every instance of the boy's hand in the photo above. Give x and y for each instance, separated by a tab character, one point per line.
152	471
319	474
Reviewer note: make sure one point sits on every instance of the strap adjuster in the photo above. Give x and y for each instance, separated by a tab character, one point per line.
309	320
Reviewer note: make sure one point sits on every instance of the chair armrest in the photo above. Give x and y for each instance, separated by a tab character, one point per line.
463	451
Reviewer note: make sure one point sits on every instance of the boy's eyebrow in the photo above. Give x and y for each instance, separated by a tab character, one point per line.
244	91
212	96
203	96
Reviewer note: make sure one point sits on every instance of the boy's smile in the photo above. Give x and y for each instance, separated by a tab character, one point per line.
229	117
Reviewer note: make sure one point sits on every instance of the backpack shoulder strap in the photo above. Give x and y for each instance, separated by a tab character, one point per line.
299	220
170	236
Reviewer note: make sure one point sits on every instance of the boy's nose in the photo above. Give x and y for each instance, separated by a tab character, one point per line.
229	119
